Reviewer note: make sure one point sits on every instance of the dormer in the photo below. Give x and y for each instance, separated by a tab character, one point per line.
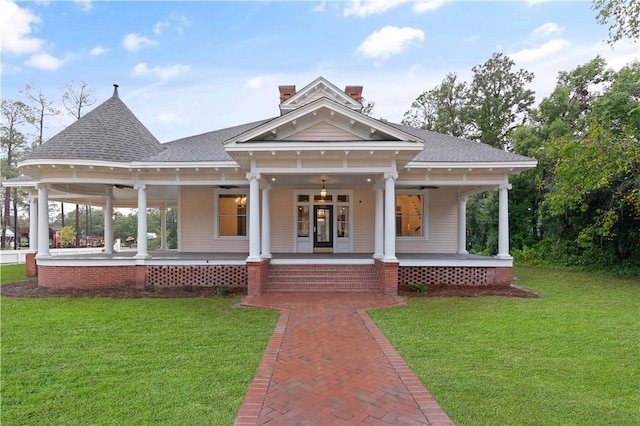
290	99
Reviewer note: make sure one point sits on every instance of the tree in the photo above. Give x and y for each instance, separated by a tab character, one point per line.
14	114
75	99
41	108
443	109
66	236
499	100
622	16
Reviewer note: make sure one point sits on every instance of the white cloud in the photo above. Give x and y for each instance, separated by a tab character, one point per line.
98	51
421	6
389	41
548	29
133	41
537	2
164	73
15	29
365	8
44	61
258	82
85	5
174	21
552	47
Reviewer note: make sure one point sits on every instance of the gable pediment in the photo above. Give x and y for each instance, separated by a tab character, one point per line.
323	131
323	121
317	89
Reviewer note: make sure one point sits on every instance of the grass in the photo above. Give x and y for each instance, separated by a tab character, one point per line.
570	357
12	273
128	361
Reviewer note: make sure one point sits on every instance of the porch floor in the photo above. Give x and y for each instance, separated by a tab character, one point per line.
275	258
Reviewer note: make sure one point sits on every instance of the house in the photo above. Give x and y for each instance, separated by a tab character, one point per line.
321	197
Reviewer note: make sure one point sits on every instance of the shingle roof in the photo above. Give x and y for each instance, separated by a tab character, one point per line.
437	147
204	147
444	148
110	132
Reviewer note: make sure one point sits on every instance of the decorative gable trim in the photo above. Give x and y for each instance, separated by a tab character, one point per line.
284	128
319	88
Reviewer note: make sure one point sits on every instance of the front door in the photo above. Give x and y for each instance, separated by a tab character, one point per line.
323	228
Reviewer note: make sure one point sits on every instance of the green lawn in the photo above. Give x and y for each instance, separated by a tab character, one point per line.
571	357
12	273
128	361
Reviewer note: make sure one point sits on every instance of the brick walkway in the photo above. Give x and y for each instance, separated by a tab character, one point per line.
327	363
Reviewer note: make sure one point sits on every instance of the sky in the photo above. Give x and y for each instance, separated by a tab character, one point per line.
189	67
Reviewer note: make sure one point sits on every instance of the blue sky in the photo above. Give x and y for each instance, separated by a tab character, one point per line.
189	67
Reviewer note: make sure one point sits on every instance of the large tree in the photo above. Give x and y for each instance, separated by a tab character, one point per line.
443	109
499	100
14	115
622	16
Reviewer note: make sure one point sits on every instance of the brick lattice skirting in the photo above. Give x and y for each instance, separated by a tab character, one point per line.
197	275
453	275
140	276
259	277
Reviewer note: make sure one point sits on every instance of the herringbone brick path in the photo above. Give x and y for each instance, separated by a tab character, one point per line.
327	363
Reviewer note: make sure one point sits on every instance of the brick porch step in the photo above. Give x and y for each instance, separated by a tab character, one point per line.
322	278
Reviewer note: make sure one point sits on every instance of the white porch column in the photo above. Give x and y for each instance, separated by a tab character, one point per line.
503	223
142	223
33	223
266	221
163	228
108	225
390	216
379	223
254	216
462	225
43	221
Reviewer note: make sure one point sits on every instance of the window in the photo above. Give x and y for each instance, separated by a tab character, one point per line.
409	215
303	221
232	215
343	221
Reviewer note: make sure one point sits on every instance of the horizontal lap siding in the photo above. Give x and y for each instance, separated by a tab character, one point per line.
364	207
282	220
196	223
442	226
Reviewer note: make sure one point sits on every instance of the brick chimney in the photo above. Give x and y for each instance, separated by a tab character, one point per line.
286	92
355	92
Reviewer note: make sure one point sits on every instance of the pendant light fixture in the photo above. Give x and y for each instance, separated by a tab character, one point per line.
323	191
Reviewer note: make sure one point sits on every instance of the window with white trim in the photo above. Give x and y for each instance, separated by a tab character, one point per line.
232	214
410	217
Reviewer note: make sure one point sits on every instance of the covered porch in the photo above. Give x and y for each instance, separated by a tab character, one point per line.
283	272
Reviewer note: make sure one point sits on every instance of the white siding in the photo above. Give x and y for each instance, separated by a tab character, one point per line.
197	223
323	131
364	207
442	226
282	220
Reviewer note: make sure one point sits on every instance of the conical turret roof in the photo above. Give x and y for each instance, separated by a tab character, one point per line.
110	132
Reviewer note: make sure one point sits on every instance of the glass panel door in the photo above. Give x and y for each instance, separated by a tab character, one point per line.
323	226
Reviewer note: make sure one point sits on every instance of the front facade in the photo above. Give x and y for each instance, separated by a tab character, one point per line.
320	184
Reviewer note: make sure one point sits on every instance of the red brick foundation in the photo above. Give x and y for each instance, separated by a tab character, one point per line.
141	276
32	267
257	277
90	276
388	275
